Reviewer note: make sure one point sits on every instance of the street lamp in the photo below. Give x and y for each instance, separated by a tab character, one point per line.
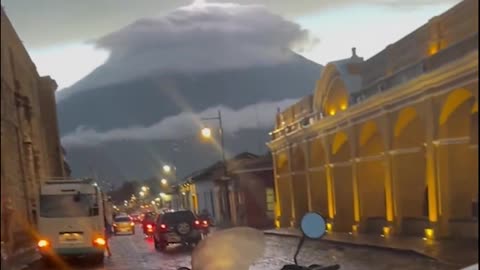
207	133
144	189
141	193
167	168
164	181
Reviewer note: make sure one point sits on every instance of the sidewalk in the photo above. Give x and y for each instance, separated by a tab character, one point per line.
459	252
21	259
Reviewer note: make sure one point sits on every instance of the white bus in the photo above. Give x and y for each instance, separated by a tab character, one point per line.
71	220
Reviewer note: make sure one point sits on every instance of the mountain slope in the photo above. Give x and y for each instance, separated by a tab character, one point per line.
145	101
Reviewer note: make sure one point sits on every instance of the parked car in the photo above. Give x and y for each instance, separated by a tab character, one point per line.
123	225
179	227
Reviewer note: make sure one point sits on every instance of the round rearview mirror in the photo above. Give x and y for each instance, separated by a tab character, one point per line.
313	225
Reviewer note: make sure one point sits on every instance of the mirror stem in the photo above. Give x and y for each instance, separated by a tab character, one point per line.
298	249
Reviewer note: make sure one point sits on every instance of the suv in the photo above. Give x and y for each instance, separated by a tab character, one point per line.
180	227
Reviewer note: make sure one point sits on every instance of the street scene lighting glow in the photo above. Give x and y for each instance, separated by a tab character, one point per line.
166	168
206	132
142	193
162	194
164	181
144	188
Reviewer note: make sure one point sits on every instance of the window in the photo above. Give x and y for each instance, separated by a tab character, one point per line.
122	219
65	206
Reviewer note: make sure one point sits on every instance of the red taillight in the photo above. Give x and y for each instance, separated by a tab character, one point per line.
201	223
149	226
163	227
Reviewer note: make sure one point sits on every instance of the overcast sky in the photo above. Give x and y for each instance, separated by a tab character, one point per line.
61	35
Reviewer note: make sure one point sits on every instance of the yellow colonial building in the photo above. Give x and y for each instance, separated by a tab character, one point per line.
389	145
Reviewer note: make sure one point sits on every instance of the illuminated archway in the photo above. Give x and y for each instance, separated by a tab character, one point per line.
299	182
408	169
454	100
283	205
319	191
457	161
370	175
342	178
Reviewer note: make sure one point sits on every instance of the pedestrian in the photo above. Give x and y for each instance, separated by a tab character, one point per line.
108	235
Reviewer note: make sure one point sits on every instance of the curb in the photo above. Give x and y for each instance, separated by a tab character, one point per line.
25	257
346	243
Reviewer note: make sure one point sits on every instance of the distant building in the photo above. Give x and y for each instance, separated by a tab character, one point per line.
244	197
30	142
389	144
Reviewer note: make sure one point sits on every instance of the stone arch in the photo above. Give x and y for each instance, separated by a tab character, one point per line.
331	94
340	142
370	141
318	178
342	178
298	163
456	160
299	181
408	129
317	153
408	170
453	102
370	173
283	188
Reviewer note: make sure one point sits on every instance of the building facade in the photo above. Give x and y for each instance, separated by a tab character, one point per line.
389	145
30	144
244	197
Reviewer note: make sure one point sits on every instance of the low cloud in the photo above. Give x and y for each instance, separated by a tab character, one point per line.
88	19
197	38
261	115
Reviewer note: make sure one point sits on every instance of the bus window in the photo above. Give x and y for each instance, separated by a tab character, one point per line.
68	205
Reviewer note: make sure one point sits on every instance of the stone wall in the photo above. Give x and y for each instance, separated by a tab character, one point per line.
29	139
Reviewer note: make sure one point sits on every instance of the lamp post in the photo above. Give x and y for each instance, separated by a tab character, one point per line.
207	133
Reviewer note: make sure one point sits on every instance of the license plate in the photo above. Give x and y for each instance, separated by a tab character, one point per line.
68	238
173	237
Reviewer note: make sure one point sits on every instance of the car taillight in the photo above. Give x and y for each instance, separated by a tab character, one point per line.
149	226
99	241
43	243
201	224
163	227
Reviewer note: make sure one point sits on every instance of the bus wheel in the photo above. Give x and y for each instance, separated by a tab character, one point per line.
98	259
46	261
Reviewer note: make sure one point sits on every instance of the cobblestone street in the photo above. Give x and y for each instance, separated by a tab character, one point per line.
134	252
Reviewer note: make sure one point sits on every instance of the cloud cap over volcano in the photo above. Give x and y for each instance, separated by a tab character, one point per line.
195	38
